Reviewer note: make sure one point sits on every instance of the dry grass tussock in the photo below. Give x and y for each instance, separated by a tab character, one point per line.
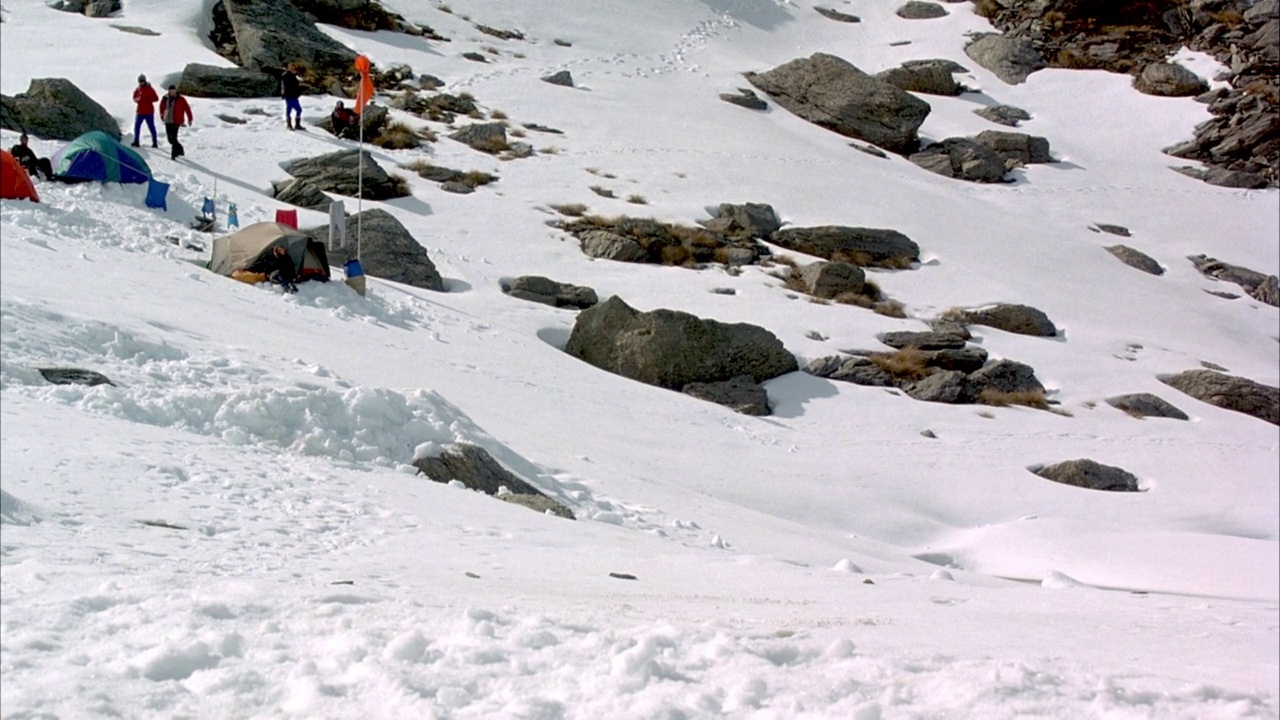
493	145
498	115
873	299
549	150
398	136
864	259
905	364
1028	398
401	185
570	209
476	178
602	191
419	166
637	200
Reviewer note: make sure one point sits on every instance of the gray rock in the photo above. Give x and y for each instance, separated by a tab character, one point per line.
612	246
923	340
950	66
1229	392
458	188
55	109
869	149
539	503
135	30
965	359
474	467
387	250
746	99
1120	230
339	173
671	349
962	159
74	376
519	150
1222	177
740	394
1020	147
485	137
1020	319
829	279
927	79
837	15
754	220
944	386
561	77
950	327
1268	291
1004	376
1012	59
824	366
1146	405
302	193
1251	280
89	8
536	288
231	119
1004	114
917	10
1089	474
1262	11
867	247
208	81
1136	259
832	93
1169	80
861	371
270	34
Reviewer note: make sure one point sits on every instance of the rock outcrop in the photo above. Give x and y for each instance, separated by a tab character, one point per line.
387	250
339	172
1229	392
919	10
209	81
962	159
1089	474
536	288
1136	259
1011	58
1259	286
475	468
931	77
55	109
1144	405
741	394
1020	319
270	34
865	247
1169	80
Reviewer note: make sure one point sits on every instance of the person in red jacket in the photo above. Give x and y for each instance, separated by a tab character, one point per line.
145	97
175	112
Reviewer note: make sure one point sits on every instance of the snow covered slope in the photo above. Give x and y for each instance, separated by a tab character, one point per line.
234	529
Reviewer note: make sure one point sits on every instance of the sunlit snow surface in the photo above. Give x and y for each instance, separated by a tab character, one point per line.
234	529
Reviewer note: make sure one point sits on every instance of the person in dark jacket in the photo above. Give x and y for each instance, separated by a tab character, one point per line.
291	91
276	265
175	112
26	157
145	97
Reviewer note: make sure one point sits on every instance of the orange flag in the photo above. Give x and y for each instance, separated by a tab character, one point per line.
364	93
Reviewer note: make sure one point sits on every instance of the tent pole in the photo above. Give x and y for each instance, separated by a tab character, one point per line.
360	186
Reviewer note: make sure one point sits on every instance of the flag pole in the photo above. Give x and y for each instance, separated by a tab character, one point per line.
359	186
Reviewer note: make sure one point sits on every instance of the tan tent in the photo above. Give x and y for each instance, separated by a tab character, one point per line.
234	252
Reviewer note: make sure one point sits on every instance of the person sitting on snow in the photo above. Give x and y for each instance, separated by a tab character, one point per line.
344	121
275	266
26	157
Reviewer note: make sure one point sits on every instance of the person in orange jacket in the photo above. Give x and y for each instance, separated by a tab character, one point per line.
145	97
173	110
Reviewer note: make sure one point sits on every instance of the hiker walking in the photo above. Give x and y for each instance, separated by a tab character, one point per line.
173	110
290	91
145	97
26	157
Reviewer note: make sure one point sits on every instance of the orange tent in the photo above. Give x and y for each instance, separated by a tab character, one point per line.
15	183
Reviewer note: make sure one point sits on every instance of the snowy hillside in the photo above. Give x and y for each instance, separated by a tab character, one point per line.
235	528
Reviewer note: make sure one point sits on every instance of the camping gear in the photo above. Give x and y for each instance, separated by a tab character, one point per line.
233	220
15	183
355	276
96	156
337	224
236	251
157	192
287	217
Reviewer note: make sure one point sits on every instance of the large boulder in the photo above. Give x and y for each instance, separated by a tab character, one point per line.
1089	474
387	250
89	8
270	34
741	394
536	288
945	386
829	279
671	349
831	92
475	468
55	109
962	159
856	370
608	245
302	193
485	137
872	247
339	172
375	118
930	78
1229	392
756	220
209	81
918	10
922	340
1169	80
1012	59
1135	259
1006	377
1143	405
1020	147
1020	319
1003	114
1259	285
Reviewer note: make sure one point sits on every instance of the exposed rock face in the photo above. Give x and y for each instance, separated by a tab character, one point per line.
856	370
829	279
1146	405
837	15
1136	259
967	359
536	288
1169	80
1092	475
918	10
387	250
485	137
630	239
861	246
832	93
612	246
1019	147
741	394
339	173
671	349
947	386
1003	114
1021	319
928	78
208	81
1259	286
474	467
752	220
74	376
562	77
923	340
745	98
303	194
1005	376
55	109
1012	59
962	159
1229	392
89	8
270	34
366	15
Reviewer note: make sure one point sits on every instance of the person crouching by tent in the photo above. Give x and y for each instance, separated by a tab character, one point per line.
26	157
144	96
173	110
344	121
275	266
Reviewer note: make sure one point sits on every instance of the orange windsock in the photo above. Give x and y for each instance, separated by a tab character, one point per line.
364	93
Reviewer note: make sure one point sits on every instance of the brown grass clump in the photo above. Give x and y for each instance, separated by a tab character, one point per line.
1229	17
1029	398
397	136
419	166
492	145
794	282
549	150
637	200
676	255
401	185
492	50
602	191
498	115
889	308
426	134
905	364
476	178
571	209
517	132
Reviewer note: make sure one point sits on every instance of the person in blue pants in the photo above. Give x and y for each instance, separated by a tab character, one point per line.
290	91
144	96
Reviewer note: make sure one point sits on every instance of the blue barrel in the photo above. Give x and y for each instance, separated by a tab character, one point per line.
353	268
